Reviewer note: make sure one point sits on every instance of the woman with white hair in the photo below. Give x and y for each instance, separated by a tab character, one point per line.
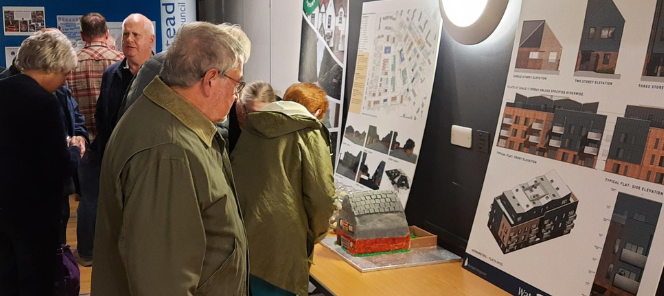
36	157
254	97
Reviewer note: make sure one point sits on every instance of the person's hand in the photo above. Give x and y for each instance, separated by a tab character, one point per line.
79	142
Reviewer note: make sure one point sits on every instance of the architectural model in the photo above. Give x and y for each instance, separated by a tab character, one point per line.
371	222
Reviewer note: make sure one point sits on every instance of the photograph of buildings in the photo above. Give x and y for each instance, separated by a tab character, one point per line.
377	142
627	246
399	179
371	171
333	146
348	164
542	209
554	127
403	148
653	70
356	136
331	119
637	147
323	44
600	40
539	49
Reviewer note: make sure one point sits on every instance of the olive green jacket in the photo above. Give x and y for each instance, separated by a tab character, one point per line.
168	221
285	184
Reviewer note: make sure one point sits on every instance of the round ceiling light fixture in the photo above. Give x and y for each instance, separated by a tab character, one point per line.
464	13
471	21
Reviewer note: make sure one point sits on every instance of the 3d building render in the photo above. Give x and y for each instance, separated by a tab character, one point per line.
544	208
554	127
539	49
627	246
654	65
601	37
637	147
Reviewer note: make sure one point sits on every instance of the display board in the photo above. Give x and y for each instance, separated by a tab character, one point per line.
391	92
22	20
323	56
572	200
10	54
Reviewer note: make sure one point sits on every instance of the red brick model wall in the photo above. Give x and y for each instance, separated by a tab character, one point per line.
365	246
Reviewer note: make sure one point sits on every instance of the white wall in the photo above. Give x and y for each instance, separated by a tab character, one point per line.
286	26
256	23
274	30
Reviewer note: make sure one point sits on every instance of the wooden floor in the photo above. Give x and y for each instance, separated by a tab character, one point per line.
71	240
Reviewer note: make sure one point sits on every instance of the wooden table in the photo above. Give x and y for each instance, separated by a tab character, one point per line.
340	278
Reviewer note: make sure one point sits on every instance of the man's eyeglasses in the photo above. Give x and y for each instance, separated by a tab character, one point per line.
239	86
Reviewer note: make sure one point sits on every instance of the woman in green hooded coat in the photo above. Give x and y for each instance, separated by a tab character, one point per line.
284	178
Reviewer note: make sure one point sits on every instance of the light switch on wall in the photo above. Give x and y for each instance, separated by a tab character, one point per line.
462	136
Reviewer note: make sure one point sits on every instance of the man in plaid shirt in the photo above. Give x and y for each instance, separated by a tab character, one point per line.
85	83
93	59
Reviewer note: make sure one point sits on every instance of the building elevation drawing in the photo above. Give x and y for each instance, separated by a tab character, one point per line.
555	127
539	49
541	209
600	40
637	147
627	246
654	66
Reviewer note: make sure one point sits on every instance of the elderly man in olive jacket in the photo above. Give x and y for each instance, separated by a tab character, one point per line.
168	220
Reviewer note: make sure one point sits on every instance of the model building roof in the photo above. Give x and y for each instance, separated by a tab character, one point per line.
375	202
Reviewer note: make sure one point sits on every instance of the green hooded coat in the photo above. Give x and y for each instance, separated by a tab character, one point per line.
284	178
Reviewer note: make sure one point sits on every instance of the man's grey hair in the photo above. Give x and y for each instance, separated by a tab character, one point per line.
148	23
48	51
259	92
197	48
236	31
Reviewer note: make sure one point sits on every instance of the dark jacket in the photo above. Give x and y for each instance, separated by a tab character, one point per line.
148	71
114	84
74	120
34	157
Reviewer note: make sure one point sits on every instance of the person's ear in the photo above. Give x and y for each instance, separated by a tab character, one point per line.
318	112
